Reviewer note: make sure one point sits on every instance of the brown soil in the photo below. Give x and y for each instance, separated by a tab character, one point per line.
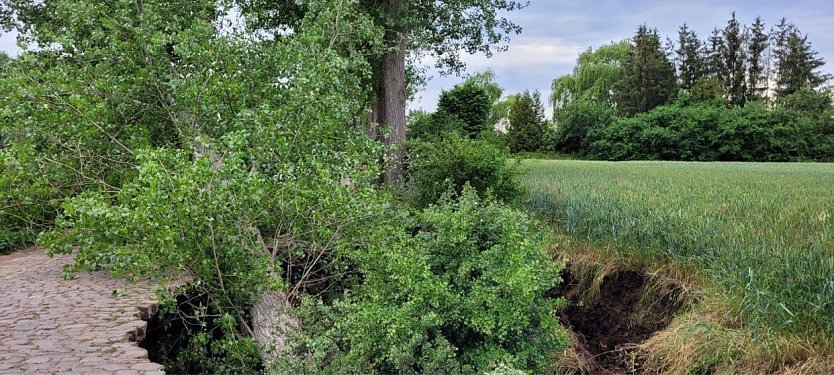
622	315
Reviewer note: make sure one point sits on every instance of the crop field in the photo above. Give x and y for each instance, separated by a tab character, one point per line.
760	234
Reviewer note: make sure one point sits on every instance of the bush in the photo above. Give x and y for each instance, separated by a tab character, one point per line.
433	126
451	162
470	103
575	121
29	203
459	290
809	101
713	133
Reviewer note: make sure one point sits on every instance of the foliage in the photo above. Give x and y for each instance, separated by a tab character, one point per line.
441	29
691	62
221	156
808	101
593	79
712	133
735	60
430	126
470	104
648	77
576	121
486	80
527	126
797	64
757	64
69	122
707	90
458	290
758	235
452	162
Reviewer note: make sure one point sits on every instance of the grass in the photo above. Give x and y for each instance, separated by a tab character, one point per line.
760	236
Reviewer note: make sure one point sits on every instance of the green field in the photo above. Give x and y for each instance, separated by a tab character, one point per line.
760	234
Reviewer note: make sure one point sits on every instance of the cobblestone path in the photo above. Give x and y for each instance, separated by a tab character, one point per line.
53	326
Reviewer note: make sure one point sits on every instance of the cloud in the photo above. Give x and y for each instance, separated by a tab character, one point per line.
527	54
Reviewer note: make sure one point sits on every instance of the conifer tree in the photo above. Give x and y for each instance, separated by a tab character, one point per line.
798	65
648	77
714	55
527	124
734	63
691	64
757	45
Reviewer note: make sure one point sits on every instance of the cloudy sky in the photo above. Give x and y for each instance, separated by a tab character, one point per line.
556	31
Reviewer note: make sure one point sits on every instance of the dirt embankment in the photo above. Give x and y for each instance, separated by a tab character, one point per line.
609	322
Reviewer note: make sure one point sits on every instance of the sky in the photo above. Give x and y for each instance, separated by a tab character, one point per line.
556	31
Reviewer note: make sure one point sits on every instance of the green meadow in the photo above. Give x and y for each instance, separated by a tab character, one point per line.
760	234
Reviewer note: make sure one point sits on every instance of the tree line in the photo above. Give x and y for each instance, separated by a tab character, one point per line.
746	79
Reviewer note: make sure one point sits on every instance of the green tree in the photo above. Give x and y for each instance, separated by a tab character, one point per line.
797	63
735	77
439	28
594	78
527	125
757	68
714	55
487	81
648	77
691	64
470	103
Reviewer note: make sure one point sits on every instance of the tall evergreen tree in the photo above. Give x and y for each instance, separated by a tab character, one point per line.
691	64
798	65
648	77
757	44
714	55
734	63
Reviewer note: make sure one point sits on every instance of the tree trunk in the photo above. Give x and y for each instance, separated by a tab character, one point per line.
392	100
271	323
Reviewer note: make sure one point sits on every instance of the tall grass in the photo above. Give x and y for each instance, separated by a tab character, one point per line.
762	233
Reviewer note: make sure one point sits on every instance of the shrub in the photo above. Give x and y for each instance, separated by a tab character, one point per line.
713	133
576	120
808	101
451	162
470	103
28	202
459	290
433	126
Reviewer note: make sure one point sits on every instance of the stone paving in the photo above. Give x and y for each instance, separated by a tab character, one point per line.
53	326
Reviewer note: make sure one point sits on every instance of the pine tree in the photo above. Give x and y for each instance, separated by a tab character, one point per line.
735	72
757	45
691	65
648	77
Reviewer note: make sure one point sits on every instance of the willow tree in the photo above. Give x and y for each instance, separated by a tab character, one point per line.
593	79
416	28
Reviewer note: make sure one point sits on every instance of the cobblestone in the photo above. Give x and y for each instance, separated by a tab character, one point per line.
53	326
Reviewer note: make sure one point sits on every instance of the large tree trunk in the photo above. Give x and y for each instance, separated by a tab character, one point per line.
392	98
271	323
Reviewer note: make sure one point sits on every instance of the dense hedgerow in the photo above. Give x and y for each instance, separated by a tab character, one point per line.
698	133
458	288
